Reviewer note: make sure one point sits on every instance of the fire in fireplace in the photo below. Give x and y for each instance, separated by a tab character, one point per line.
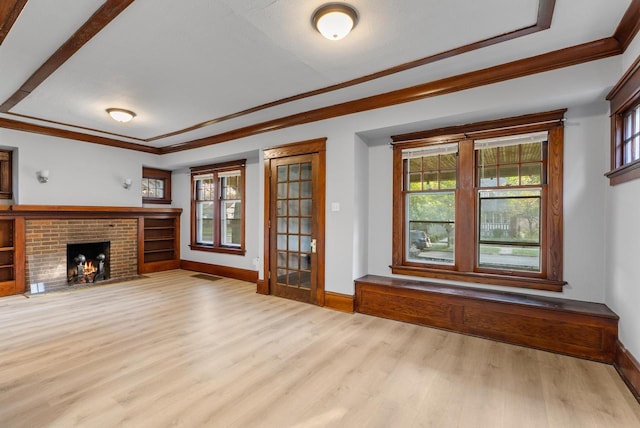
87	262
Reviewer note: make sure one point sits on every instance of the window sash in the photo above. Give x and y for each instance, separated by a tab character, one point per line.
205	224
631	135
429	238
204	188
230	224
522	214
152	188
156	186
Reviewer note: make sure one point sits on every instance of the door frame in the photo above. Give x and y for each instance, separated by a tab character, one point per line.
307	147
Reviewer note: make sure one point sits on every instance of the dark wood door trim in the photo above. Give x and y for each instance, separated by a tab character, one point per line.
315	146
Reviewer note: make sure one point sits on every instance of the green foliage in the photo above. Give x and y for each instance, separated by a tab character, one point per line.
435	214
436	206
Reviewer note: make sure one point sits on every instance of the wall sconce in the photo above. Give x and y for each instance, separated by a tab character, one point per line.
43	176
126	183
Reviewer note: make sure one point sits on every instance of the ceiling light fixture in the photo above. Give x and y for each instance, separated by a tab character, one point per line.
121	115
334	20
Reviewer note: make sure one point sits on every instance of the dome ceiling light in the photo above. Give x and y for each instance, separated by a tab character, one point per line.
334	20
121	115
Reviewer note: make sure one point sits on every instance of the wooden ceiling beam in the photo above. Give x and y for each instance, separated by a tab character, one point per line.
537	64
109	10
9	12
629	25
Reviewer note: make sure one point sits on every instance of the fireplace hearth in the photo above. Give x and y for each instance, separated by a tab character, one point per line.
49	266
87	262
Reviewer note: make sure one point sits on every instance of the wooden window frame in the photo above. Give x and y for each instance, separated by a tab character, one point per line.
624	97
159	174
217	247
6	174
464	268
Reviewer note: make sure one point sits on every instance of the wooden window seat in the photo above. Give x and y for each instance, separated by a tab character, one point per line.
571	327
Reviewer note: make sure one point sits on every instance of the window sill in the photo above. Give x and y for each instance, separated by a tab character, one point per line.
224	250
628	172
155	201
482	278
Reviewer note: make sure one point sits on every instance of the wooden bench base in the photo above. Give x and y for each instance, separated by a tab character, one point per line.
580	329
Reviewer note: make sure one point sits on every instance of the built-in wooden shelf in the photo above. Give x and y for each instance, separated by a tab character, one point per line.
158	236
166	250
7	256
160	242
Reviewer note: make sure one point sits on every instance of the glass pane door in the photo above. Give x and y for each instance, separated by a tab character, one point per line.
293	218
293	252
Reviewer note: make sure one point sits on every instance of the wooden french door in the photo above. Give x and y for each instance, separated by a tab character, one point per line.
296	225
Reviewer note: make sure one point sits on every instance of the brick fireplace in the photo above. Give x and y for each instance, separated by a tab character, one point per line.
46	248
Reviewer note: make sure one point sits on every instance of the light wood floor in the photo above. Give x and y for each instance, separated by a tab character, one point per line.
174	350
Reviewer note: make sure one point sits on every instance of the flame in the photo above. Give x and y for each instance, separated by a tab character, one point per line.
88	268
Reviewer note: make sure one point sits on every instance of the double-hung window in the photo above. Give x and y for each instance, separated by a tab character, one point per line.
481	204
511	173
429	198
217	207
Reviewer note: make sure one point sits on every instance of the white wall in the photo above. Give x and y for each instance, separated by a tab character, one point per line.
622	235
346	161
79	173
181	188
586	156
623	266
584	162
358	236
361	208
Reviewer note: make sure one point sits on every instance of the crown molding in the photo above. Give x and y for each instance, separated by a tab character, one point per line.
74	135
567	57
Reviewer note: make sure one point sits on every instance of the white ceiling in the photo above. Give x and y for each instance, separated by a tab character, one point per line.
180	63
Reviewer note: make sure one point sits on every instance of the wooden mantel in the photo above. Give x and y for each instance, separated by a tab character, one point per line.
80	210
158	236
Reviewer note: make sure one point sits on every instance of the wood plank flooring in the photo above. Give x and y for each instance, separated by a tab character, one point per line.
175	350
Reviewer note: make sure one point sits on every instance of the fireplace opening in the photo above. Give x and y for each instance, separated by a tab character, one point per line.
87	262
